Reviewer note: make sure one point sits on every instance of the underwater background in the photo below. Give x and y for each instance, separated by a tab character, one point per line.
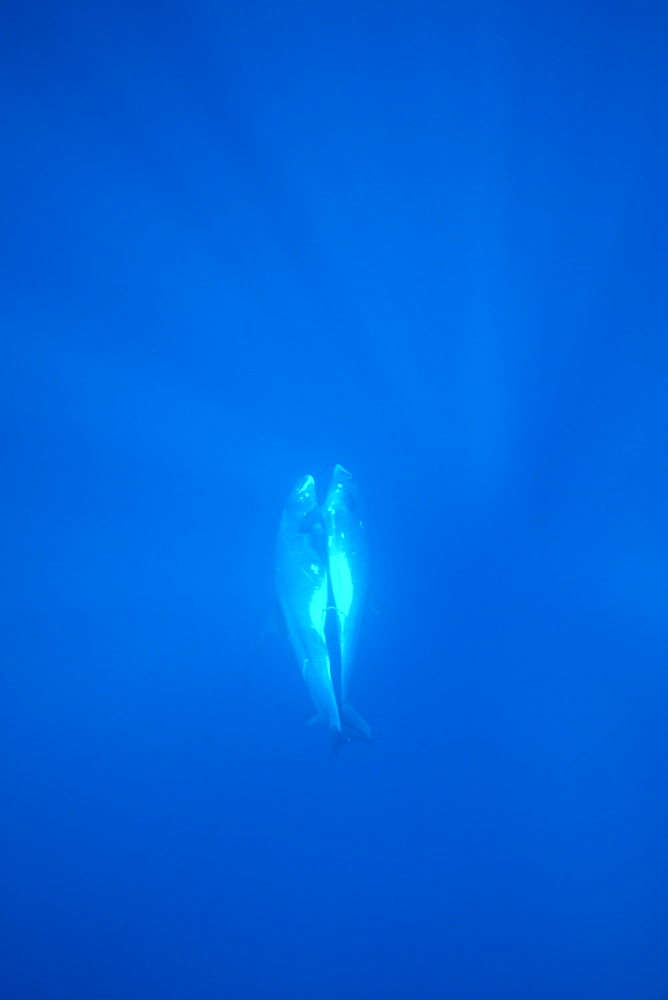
244	242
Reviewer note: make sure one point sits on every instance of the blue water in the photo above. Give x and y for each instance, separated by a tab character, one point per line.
244	242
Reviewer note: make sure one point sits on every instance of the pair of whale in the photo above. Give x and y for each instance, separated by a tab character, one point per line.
321	565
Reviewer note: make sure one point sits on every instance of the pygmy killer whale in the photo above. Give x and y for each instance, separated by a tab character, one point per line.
301	587
321	564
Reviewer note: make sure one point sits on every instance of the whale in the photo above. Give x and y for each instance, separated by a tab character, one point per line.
347	560
302	589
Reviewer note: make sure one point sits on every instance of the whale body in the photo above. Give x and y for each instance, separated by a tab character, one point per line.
302	591
321	564
348	573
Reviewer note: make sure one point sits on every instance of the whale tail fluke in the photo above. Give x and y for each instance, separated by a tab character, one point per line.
354	728
354	725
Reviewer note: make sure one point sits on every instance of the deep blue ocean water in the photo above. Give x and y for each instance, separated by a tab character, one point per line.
243	242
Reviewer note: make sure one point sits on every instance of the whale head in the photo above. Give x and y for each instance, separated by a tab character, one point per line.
302	498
